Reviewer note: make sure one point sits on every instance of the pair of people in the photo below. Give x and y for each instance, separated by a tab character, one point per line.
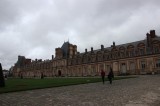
110	76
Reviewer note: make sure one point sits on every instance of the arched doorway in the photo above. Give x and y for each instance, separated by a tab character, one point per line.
59	73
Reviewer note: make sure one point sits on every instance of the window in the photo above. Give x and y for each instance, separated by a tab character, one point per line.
106	56
74	61
123	64
108	67
143	65
122	55
141	51
93	58
156	49
158	63
131	53
79	60
115	55
100	57
85	59
69	62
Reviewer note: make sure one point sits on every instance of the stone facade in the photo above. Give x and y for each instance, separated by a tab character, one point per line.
140	57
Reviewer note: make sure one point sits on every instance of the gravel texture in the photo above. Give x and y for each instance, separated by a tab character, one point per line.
141	91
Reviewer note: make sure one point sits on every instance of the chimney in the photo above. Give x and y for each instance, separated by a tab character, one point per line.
147	34
148	39
91	49
102	47
85	50
152	33
52	57
113	44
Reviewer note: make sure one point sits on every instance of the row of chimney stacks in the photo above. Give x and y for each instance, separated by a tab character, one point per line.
102	48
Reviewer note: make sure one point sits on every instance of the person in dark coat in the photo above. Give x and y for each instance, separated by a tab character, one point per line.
110	76
102	75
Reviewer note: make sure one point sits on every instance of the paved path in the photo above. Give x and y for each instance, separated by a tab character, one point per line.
141	91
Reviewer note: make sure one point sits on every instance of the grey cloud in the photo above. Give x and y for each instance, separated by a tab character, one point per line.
34	29
8	15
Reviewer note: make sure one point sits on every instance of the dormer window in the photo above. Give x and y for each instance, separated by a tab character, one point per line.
100	57
122	54
141	51
156	49
131	53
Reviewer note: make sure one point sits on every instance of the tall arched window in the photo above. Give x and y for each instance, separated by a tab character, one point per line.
143	64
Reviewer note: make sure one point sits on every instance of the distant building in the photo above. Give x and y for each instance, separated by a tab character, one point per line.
140	57
5	72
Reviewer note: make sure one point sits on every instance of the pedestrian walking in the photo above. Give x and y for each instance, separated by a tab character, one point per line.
102	75
110	76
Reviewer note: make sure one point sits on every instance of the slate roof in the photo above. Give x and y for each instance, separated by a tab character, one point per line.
135	44
64	48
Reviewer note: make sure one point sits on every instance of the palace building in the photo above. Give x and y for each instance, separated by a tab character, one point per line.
140	57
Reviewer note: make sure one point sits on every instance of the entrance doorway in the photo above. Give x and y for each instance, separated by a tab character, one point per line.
59	73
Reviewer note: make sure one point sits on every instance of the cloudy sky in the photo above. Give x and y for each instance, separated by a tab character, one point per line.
34	28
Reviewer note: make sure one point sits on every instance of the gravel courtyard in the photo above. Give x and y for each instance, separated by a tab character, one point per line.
141	91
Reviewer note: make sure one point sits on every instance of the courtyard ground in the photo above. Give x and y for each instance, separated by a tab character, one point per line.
141	91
